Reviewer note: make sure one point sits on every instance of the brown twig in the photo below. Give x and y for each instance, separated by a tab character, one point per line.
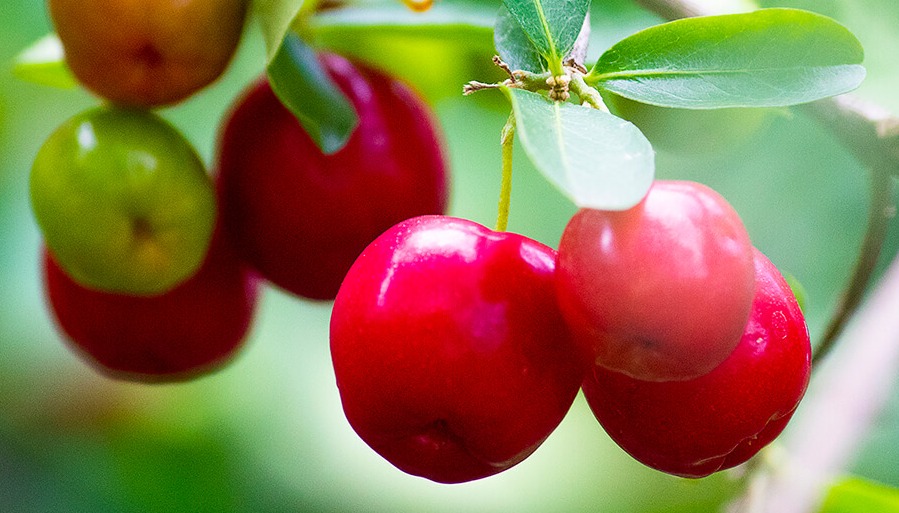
880	212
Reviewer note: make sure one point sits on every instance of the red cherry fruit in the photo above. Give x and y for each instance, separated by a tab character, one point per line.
302	217
183	333
661	291
451	357
697	427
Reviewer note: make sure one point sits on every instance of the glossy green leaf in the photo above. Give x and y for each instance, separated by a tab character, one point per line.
551	25
513	45
596	159
275	17
44	63
767	58
300	81
856	495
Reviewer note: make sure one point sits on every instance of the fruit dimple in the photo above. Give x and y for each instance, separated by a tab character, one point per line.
437	435
146	246
148	55
141	230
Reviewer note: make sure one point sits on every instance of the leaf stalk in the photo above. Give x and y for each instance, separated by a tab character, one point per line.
505	194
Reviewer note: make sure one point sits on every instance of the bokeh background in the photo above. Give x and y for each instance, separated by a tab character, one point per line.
267	434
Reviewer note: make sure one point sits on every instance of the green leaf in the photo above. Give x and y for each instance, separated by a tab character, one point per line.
275	18
44	63
513	45
856	495
797	288
300	81
552	26
596	159
767	58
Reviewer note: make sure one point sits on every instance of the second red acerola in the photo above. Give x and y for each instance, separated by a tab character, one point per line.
189	330
661	291
697	427
302	217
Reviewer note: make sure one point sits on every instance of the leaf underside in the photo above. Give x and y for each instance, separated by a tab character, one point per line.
301	83
44	63
596	159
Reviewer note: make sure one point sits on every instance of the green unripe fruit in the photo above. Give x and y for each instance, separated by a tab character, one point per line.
123	201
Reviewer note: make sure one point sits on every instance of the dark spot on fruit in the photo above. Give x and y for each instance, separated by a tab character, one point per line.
648	343
142	230
149	55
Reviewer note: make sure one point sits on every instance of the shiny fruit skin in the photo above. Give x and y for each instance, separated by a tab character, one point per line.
148	53
450	354
123	201
661	291
717	421
191	330
302	217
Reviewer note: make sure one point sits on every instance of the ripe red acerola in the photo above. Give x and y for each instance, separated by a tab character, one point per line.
450	354
302	217
180	334
661	291
697	427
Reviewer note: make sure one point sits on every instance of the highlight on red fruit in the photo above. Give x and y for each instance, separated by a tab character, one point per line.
661	291
181	334
301	217
697	427
450	354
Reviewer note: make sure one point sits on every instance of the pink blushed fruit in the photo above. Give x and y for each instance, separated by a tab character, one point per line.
661	291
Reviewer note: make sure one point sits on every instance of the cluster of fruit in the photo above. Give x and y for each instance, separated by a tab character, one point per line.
457	350
152	265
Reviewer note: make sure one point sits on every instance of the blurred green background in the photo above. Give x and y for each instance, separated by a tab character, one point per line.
267	433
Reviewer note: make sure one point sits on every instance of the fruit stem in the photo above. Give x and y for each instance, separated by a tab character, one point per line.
882	209
585	93
517	78
505	191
